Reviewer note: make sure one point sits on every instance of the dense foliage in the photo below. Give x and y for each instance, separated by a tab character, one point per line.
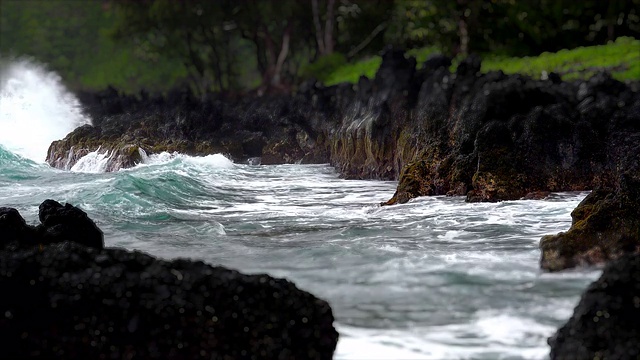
272	44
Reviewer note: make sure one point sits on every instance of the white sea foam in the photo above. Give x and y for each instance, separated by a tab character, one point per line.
164	158
35	109
490	335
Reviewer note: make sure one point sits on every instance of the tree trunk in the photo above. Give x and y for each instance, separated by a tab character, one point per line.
463	33
461	9
270	56
316	23
276	78
215	58
196	63
324	37
328	28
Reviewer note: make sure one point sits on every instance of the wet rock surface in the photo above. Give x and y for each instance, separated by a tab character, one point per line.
605	226
604	325
67	300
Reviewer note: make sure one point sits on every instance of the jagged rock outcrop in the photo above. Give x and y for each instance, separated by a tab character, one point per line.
604	325
128	127
494	137
67	300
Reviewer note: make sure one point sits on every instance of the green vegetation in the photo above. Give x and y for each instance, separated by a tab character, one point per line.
352	72
71	38
272	45
621	58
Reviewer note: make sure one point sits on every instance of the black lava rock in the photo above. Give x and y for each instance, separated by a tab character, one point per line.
67	223
70	301
605	324
13	228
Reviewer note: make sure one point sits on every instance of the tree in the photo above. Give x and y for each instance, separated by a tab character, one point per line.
324	36
194	31
270	26
523	27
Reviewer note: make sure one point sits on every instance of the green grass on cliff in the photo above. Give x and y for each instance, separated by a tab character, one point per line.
351	72
621	58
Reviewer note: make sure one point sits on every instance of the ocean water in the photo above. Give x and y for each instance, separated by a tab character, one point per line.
436	278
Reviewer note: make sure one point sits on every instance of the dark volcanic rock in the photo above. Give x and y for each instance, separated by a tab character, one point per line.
69	301
605	226
495	137
128	127
67	223
13	228
604	325
58	223
66	300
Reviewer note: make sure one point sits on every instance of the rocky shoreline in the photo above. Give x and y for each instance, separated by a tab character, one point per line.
489	137
66	296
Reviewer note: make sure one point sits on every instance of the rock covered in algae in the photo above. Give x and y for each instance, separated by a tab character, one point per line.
605	226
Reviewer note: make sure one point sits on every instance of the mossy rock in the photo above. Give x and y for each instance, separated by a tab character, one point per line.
414	181
489	187
605	226
496	177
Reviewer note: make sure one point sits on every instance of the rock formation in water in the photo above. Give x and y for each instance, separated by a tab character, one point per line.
604	325
130	127
605	226
63	299
489	137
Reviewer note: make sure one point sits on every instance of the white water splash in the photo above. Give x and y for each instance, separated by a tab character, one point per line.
93	162
210	161
35	109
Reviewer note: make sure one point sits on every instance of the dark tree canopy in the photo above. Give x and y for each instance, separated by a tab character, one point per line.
269	44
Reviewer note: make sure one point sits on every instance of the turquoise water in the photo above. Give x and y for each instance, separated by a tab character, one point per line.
436	278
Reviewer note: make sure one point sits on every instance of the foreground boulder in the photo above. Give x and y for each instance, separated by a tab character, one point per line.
604	325
13	228
59	223
67	223
68	300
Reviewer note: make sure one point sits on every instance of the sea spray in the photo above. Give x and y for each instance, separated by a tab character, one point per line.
35	109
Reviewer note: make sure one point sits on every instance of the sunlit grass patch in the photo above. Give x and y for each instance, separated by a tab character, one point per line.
621	58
